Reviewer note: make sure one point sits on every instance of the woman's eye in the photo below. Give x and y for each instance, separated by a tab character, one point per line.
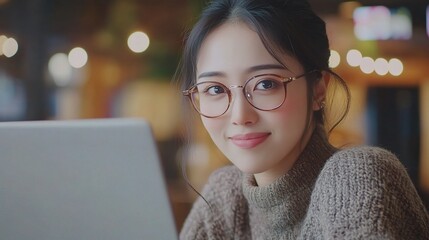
266	85
215	90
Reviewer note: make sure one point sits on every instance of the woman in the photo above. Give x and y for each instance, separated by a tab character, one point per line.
257	72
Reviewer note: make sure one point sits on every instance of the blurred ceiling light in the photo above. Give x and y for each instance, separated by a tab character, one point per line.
372	23
354	57
10	47
3	39
382	23
395	67
381	66
367	65
346	9
138	42
334	59
78	57
401	26
3	2
60	69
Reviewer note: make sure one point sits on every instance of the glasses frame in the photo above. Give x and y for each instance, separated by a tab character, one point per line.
285	80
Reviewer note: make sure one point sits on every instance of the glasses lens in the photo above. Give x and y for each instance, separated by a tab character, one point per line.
265	92
211	99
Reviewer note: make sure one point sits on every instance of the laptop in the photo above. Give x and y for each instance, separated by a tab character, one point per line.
82	179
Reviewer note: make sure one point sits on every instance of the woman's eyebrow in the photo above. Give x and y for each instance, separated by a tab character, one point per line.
266	67
250	69
211	74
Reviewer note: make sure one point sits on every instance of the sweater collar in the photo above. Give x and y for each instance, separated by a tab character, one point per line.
298	182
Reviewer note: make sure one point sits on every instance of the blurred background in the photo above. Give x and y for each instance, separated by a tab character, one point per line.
117	58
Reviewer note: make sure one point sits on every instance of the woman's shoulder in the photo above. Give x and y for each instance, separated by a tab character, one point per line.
368	166
372	170
364	152
364	157
369	188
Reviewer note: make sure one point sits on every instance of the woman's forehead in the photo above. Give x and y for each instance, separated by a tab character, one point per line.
236	47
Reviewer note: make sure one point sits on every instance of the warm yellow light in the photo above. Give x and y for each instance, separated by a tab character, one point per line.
78	57
395	67
381	66
354	57
138	42
10	47
334	59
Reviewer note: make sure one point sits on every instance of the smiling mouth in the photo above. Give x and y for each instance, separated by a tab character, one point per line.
250	140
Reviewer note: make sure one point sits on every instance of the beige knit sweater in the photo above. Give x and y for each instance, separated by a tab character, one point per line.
358	193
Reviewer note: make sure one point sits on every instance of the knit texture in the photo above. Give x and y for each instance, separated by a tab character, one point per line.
356	193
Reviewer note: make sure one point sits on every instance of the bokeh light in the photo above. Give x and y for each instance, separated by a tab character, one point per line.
60	69
334	59
381	66
78	57
3	39
10	47
395	67
367	65
354	57
138	42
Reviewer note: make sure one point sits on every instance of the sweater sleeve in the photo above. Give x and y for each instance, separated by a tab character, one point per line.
214	219
366	193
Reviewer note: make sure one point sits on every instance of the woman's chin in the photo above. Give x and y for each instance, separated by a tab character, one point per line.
248	169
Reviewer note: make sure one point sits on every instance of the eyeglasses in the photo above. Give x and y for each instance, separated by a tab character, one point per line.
264	92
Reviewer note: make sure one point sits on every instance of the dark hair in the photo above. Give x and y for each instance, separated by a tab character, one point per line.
284	26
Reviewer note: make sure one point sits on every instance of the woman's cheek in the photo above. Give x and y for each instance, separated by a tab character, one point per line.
214	126
296	101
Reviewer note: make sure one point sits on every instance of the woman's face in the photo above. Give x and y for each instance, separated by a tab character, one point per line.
265	143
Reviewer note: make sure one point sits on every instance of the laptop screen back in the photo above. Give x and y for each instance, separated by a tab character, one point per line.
82	179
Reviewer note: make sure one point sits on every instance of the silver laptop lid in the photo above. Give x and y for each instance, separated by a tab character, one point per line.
82	179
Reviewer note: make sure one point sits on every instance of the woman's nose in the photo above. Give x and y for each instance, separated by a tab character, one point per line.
242	112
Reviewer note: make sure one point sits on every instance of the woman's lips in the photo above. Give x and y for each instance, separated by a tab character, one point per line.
249	140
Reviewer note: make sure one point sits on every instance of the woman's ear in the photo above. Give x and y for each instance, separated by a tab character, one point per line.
319	91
